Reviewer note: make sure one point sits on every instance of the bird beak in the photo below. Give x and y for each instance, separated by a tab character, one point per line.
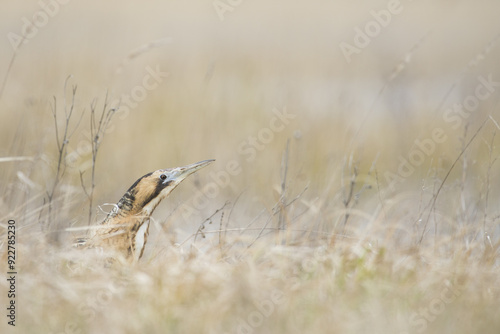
180	173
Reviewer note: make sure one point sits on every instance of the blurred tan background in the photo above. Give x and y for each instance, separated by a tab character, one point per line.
349	250
229	65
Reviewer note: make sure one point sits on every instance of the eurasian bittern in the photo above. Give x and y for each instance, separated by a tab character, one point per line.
125	230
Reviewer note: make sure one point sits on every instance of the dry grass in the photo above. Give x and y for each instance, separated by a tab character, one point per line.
308	236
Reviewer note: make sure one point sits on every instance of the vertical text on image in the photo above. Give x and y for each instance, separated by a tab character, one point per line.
11	271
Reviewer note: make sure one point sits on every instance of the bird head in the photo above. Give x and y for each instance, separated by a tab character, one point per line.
147	192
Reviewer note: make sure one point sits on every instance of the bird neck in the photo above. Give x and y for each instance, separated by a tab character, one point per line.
130	205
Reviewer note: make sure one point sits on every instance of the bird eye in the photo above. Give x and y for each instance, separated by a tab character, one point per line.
163	177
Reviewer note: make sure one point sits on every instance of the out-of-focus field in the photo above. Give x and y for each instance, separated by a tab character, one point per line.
354	191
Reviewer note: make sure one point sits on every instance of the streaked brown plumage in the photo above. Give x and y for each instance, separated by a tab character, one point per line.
126	228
